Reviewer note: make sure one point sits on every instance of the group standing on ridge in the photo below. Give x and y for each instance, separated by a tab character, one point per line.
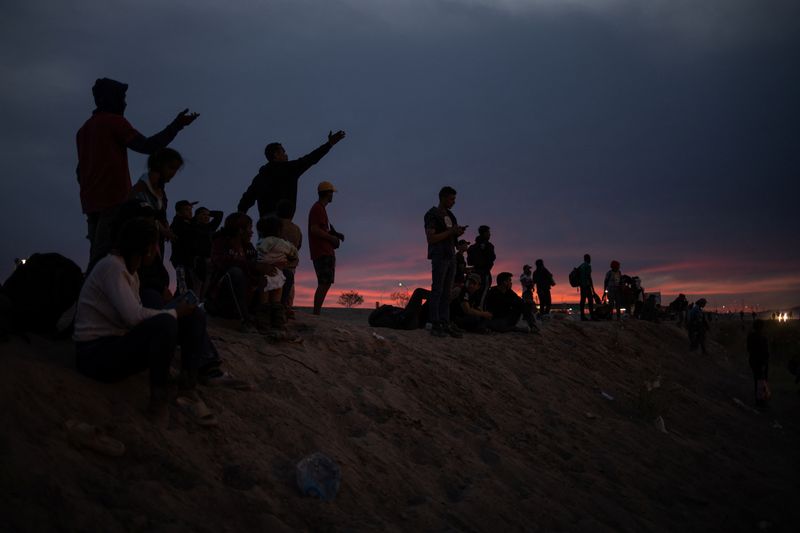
128	319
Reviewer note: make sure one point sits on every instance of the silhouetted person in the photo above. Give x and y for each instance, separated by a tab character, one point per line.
277	180
461	264
206	223
290	232
526	281
507	307
680	305
465	312
442	232
586	286
481	257
543	280
184	246
758	350
103	142
323	241
612	287
697	325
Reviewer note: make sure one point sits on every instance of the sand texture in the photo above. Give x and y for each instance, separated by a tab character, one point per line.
488	433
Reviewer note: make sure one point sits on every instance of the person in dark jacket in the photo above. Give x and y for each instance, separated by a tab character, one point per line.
183	247
481	256
543	280
205	224
277	180
587	286
758	349
507	307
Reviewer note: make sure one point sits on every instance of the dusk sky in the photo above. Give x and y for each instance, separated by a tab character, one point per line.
661	133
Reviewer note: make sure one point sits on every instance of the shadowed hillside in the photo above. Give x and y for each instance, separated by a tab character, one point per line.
488	433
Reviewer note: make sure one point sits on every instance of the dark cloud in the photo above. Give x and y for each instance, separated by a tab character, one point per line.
649	131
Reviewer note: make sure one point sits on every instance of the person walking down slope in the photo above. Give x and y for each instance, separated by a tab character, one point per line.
586	286
103	175
611	287
277	180
758	350
442	232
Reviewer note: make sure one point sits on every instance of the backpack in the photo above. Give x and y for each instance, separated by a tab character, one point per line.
41	290
575	277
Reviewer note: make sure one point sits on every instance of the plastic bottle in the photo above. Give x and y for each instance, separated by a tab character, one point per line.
319	476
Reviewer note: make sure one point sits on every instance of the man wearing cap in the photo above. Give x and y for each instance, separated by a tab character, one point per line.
277	180
103	174
323	240
183	246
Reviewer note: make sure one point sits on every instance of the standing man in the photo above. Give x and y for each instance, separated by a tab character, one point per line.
586	285
103	175
277	180
543	280
481	256
442	232
323	240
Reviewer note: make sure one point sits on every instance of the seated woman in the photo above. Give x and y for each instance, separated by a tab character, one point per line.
116	336
237	279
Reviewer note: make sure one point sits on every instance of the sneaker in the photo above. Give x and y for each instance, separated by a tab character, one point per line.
453	332
437	331
224	379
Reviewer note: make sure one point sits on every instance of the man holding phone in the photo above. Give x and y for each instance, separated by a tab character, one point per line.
442	232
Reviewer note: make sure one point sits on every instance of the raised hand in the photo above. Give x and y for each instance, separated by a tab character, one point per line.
185	118
334	138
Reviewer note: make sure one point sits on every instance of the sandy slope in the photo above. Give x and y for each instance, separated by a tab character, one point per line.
487	433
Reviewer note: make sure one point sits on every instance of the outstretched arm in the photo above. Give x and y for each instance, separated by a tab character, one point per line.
148	145
304	163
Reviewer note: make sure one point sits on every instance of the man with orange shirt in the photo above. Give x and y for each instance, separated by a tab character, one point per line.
323	240
103	174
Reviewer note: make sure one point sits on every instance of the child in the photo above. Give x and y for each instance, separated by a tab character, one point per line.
277	252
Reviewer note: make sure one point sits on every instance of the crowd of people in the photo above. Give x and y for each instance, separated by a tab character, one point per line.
128	319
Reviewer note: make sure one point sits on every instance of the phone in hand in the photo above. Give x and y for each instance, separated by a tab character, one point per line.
189	297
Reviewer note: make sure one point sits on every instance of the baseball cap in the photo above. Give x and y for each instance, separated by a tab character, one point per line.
326	186
183	203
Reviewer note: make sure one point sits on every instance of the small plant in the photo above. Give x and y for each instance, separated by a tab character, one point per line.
350	299
400	298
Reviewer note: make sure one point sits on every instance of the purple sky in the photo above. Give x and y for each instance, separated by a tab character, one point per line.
660	133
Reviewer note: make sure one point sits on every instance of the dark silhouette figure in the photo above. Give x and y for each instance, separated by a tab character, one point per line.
277	180
698	326
543	280
323	241
507	307
481	257
442	232
586	286
758	350
103	142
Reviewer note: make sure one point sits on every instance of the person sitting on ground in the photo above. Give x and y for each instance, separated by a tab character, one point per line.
543	280
273	250
291	233
205	223
697	326
611	287
183	247
116	336
465	311
507	307
236	276
758	350
413	316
